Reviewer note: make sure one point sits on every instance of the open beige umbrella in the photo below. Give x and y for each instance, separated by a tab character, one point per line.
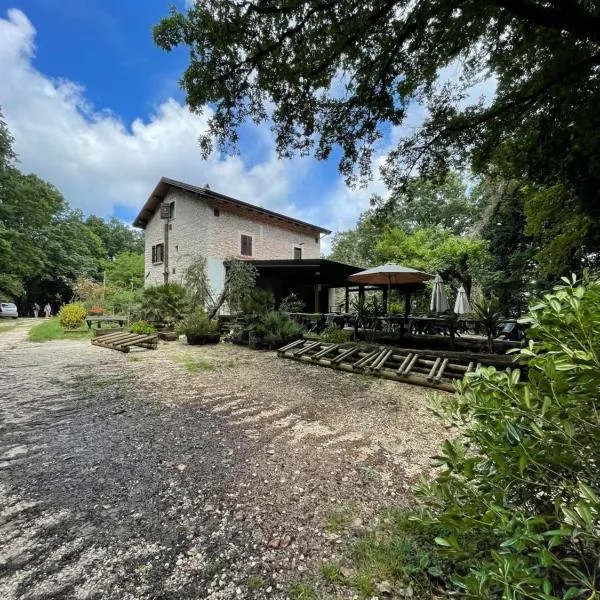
389	274
439	301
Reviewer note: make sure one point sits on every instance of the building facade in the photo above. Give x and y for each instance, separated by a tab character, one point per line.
182	222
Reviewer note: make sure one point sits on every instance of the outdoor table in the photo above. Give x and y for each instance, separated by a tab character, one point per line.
102	319
433	326
392	324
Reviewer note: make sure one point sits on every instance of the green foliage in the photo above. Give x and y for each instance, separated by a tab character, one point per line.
340	83
513	252
44	245
165	303
367	311
335	334
518	490
257	302
240	279
197	324
398	550
291	304
195	280
142	327
489	317
462	259
116	237
125	271
302	591
72	316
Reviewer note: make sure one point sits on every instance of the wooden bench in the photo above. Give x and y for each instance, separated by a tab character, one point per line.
90	320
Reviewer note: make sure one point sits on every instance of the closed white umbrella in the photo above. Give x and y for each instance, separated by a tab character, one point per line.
462	306
439	301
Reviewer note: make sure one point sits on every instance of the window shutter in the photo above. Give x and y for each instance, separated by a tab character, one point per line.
246	245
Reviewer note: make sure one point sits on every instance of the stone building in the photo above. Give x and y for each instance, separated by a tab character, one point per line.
182	221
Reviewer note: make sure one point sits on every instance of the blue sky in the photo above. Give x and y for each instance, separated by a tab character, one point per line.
96	109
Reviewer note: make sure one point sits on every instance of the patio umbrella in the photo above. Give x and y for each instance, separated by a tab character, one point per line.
389	274
462	306
439	302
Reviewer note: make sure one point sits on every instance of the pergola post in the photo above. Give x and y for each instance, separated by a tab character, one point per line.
406	303
385	301
346	300
361	291
317	294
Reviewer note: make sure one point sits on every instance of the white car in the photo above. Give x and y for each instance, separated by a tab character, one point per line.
8	309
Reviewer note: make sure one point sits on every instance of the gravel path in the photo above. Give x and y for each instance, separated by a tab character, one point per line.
189	472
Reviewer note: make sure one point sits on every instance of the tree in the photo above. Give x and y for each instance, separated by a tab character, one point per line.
240	279
126	270
460	259
425	203
116	236
336	71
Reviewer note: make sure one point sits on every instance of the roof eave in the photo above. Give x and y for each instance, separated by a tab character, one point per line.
165	183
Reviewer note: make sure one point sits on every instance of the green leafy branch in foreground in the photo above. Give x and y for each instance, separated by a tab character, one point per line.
519	489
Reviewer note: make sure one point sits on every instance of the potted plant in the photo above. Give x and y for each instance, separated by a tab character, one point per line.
199	329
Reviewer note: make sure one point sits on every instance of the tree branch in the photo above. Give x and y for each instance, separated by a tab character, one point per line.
580	24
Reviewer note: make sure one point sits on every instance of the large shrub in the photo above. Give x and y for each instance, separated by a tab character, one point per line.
518	493
198	328
163	303
72	316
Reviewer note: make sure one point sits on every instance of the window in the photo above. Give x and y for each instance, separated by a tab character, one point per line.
216	212
246	245
158	253
171	210
297	253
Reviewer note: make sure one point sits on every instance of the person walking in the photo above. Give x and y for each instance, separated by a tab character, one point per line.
36	310
48	310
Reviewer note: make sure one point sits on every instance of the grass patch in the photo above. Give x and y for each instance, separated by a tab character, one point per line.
255	583
332	573
337	520
302	591
51	330
197	365
398	551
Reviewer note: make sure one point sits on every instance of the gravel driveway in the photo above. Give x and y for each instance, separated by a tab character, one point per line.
189	472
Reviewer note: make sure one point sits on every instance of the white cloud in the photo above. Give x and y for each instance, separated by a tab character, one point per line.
99	162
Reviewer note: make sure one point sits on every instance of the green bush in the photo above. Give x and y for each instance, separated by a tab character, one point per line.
142	327
72	316
197	324
333	333
519	490
163	304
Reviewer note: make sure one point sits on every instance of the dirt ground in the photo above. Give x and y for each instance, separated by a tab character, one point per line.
189	472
